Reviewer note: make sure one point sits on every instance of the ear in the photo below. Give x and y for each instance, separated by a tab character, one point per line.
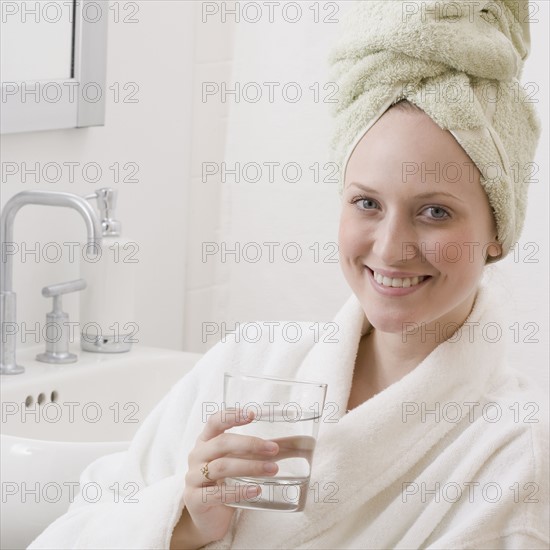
494	249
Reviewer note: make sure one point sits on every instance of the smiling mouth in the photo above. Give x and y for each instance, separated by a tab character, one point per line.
398	282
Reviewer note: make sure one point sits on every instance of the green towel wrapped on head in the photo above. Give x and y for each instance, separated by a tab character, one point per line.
460	62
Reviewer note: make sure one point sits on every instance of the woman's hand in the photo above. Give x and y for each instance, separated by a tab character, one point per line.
205	517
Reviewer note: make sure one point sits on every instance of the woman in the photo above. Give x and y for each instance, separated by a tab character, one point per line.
425	448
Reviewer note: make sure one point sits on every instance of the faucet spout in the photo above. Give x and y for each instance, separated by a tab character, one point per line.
8	317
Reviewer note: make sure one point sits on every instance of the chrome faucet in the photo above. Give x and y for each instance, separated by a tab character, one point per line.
8	316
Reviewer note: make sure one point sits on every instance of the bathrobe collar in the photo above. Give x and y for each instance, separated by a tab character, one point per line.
360	453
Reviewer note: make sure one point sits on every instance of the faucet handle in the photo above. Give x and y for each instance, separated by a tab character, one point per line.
58	289
106	203
57	324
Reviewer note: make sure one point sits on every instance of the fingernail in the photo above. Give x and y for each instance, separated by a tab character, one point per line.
270	467
245	415
270	446
253	491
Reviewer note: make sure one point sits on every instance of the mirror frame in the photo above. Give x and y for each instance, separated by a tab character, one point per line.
22	113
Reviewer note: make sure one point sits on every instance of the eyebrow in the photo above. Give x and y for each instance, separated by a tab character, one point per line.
425	195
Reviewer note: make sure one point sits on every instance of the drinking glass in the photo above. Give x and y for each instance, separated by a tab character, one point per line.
287	412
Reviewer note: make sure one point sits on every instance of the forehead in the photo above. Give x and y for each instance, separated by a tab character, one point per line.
408	146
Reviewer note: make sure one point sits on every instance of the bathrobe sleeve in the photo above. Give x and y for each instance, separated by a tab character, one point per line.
141	489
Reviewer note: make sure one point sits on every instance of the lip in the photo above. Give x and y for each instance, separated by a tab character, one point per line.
395	291
397	274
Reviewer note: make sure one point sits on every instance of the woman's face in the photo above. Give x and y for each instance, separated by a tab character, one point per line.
413	208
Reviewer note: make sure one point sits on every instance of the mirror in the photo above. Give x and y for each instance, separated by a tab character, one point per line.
53	58
36	45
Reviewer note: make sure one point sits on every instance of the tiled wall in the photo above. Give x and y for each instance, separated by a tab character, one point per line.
213	62
239	213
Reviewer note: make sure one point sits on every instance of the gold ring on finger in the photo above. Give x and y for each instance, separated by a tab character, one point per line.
204	471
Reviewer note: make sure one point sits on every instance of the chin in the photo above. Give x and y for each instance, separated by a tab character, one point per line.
392	323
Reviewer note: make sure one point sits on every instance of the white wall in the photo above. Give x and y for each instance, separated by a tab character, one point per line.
526	273
156	54
213	62
234	289
307	212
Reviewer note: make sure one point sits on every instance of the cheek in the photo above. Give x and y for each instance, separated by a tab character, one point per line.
352	237
459	253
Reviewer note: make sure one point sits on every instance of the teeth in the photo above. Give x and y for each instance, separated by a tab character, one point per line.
397	283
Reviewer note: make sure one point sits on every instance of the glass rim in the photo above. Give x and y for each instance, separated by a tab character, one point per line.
276	379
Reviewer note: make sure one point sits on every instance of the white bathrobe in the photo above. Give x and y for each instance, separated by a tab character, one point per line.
389	474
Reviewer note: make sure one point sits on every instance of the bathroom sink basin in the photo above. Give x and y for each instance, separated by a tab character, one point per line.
58	419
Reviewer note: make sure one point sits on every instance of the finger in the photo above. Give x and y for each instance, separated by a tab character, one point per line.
223	494
233	467
300	446
223	420
237	446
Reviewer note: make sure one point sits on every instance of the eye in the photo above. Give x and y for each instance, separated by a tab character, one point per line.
364	203
438	213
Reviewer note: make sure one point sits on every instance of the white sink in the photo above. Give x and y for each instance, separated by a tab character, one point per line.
58	419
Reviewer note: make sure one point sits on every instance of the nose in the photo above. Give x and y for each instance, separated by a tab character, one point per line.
395	240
